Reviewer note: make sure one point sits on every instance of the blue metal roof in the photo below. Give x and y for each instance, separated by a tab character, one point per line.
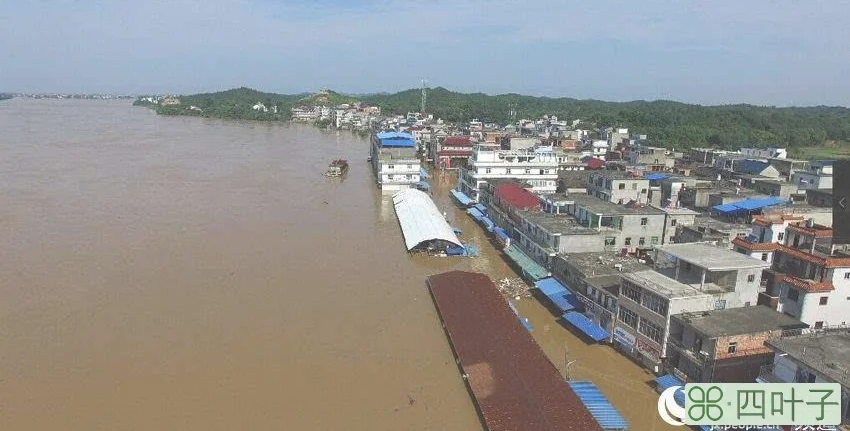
667	381
558	294
601	409
461	197
423	173
474	213
656	176
487	222
754	167
583	324
726	208
501	233
396	139
425	185
482	208
753	204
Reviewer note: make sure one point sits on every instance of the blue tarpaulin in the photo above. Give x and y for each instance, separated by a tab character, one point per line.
550	286
501	233
583	324
462	198
656	176
601	409
482	208
754	204
423	173
667	381
558	294
474	213
425	185
488	223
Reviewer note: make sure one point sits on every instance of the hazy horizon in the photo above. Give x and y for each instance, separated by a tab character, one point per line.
761	52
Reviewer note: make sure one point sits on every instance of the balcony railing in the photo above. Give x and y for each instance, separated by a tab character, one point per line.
696	357
766	373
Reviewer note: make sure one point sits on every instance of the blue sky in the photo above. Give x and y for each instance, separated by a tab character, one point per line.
725	51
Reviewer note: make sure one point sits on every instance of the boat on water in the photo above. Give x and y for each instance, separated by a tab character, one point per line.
337	168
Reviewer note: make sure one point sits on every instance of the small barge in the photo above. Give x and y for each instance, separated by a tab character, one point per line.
337	168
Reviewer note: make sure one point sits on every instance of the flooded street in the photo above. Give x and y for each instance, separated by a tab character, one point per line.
186	273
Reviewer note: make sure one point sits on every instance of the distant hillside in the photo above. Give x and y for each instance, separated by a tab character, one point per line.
327	98
667	123
4	96
230	104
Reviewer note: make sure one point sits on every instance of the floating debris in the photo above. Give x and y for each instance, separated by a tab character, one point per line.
514	288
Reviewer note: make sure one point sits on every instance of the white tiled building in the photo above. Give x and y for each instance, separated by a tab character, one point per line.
536	166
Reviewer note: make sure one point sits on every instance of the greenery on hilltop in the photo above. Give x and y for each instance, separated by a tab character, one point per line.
4	96
230	104
327	98
666	123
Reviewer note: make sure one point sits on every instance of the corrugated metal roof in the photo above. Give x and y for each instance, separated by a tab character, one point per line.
515	385
421	220
599	406
396	139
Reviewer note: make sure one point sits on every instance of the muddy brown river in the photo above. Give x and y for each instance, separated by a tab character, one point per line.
166	273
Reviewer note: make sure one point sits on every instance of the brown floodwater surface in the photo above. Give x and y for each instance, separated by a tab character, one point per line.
178	273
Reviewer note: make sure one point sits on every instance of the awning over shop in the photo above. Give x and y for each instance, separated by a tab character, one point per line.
558	294
488	223
529	267
601	409
668	381
583	324
501	233
423	173
461	197
482	208
474	213
425	185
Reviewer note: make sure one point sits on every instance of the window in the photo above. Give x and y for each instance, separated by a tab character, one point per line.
793	294
643	221
528	171
764	257
487	170
654	303
653	240
733	347
631	291
390	167
628	317
543	172
610	241
847	275
650	330
818	325
622	186
673	222
643	191
390	176
824	300
751	278
720	304
642	241
781	236
409	166
628	240
634	186
747	304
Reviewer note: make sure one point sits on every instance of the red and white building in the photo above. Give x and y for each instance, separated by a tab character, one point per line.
452	152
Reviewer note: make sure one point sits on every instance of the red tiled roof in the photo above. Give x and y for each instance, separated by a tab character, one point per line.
755	246
816	231
828	262
761	220
595	163
457	141
517	196
808	286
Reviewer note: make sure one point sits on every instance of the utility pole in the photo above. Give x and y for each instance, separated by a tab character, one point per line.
424	98
567	363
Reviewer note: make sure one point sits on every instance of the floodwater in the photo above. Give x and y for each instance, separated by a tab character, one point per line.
185	273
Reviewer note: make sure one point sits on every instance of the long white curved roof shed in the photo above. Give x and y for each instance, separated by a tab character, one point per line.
421	220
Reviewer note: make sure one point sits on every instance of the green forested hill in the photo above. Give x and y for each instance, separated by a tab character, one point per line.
667	123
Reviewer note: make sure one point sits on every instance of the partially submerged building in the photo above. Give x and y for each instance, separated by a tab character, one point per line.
423	226
395	162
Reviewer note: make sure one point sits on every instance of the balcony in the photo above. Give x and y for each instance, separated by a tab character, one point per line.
689	353
767	375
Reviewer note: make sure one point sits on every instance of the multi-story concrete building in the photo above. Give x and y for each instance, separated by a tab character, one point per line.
544	235
538	167
780	189
653	158
676	218
504	200
617	187
622	227
724	346
809	278
815	357
818	176
394	161
819	197
765	153
707	229
451	152
686	278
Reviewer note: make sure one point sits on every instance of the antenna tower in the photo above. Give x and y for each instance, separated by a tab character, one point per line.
424	97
